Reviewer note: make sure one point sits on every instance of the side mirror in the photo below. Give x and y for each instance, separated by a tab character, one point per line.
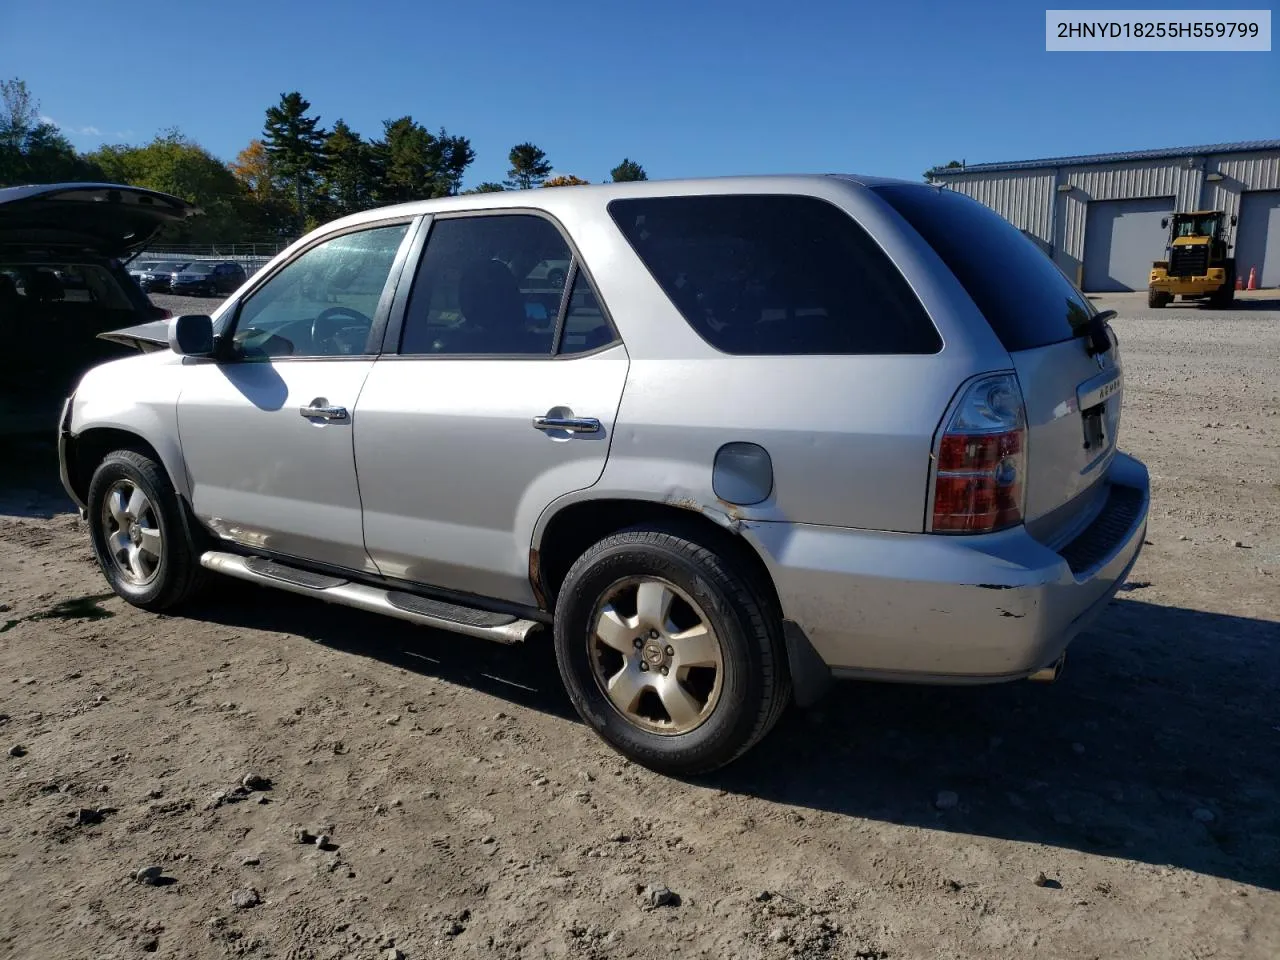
1164	224
191	335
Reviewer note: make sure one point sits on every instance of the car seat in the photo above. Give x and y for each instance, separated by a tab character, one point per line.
489	298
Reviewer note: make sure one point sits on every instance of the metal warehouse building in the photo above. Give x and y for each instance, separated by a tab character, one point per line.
1099	216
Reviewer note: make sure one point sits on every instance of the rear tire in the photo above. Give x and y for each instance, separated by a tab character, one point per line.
668	653
140	536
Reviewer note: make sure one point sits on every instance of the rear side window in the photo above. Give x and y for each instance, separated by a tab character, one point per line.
762	274
1026	298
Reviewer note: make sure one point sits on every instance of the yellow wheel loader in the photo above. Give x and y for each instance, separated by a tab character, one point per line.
1197	267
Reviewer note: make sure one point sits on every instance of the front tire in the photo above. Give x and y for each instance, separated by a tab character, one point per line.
139	535
668	653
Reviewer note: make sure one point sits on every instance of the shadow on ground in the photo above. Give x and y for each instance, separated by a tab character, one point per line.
29	484
1160	743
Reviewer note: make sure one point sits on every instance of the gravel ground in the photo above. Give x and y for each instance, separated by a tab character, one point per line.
1129	810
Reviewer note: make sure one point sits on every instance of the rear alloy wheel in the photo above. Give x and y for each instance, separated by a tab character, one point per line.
670	654
655	655
139	534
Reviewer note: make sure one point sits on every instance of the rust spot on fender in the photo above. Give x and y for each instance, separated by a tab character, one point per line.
535	579
729	518
1006	613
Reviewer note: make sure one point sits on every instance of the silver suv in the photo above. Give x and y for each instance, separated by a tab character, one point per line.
766	431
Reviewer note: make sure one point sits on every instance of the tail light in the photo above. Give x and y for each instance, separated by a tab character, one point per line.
982	460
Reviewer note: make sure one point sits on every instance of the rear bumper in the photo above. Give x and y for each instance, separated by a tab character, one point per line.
953	609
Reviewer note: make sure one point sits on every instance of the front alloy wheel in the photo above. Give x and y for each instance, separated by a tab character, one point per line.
131	532
143	544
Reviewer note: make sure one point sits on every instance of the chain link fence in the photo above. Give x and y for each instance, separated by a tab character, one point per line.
251	256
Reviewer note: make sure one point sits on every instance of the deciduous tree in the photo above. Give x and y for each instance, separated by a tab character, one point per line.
565	180
33	150
172	163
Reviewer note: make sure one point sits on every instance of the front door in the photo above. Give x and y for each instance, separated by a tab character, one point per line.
267	434
499	398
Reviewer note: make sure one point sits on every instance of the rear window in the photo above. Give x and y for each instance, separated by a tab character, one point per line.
763	274
1026	298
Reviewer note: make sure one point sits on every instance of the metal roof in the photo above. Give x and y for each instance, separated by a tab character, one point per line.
1243	146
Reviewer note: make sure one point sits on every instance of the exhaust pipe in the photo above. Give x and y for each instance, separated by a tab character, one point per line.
1051	672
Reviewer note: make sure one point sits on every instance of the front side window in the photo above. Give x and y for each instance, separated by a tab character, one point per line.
322	304
764	274
487	285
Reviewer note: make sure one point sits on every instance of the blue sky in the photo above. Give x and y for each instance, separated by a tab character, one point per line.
686	88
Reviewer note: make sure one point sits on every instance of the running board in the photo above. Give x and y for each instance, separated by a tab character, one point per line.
425	612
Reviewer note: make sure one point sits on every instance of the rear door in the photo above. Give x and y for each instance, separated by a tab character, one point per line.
1073	397
497	396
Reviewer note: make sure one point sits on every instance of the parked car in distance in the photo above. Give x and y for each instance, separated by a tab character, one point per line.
207	279
776	430
160	276
62	284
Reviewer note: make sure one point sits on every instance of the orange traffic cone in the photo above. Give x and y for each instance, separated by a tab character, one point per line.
1253	279
1239	282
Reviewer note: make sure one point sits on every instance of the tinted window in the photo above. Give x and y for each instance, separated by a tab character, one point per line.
585	325
321	304
483	288
1028	301
775	275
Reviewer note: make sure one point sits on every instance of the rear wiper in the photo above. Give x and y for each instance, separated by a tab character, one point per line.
1099	341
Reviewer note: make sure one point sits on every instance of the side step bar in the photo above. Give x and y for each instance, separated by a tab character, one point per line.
423	611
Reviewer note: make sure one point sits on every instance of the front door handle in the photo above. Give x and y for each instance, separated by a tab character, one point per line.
319	409
568	424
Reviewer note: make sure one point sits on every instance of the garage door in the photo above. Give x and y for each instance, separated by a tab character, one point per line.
1258	236
1121	238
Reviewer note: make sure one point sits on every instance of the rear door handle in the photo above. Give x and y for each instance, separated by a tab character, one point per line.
568	424
320	410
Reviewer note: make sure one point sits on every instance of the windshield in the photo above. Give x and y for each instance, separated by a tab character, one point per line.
1026	298
199	268
1205	226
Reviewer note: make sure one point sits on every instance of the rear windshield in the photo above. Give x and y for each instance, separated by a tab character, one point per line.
763	274
1026	298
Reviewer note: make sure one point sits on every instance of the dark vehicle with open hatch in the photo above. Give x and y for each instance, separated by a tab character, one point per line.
63	284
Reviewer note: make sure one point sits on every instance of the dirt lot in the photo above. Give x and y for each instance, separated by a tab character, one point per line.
470	814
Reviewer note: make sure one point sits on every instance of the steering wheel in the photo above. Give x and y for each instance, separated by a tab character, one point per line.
328	323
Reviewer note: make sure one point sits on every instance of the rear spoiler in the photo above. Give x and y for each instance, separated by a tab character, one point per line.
147	337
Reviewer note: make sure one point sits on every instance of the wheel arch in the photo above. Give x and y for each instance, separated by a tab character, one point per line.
88	447
567	528
564	533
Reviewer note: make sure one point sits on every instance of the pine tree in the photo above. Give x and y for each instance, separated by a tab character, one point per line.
351	176
529	167
628	170
295	144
